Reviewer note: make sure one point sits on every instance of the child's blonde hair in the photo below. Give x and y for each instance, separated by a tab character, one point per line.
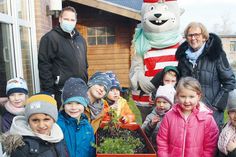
189	83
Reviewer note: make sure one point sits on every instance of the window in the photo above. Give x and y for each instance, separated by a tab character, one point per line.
233	46
17	43
101	35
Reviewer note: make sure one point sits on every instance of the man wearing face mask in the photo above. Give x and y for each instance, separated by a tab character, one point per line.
62	54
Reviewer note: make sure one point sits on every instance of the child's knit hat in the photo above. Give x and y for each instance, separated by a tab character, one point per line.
167	92
114	81
75	90
16	85
41	103
231	105
100	78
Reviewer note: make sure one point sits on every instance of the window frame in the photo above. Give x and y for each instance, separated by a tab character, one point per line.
97	36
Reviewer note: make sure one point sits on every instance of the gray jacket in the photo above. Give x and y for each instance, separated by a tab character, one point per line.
152	130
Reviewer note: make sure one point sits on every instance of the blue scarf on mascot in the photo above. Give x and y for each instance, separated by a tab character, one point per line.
144	41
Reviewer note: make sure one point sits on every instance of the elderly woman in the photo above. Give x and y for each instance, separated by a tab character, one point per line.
36	134
202	56
227	139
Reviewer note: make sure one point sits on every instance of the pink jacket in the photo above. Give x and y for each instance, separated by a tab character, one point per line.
195	137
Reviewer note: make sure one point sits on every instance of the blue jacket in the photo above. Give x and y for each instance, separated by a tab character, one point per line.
78	136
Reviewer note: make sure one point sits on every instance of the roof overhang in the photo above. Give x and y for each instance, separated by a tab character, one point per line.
111	7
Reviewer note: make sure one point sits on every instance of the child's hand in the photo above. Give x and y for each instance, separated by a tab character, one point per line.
155	120
124	120
231	145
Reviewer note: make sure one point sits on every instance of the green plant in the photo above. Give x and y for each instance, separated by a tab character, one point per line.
119	145
119	141
113	125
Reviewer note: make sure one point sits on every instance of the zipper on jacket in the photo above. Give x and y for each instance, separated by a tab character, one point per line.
185	126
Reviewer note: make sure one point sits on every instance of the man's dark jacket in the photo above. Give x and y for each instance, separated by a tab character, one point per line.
60	57
212	70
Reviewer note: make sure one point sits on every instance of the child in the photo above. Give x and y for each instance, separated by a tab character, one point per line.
227	139
115	101
36	133
164	101
99	84
17	93
78	132
169	75
189	128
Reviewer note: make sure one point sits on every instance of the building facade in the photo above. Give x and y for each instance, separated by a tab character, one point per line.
107	26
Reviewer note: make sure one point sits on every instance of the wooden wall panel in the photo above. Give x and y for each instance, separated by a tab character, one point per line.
114	57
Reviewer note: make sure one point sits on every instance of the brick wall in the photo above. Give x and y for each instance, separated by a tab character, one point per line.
43	22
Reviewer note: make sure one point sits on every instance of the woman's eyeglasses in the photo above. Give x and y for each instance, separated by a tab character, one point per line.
195	35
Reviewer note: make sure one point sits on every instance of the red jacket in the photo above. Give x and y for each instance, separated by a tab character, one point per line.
195	137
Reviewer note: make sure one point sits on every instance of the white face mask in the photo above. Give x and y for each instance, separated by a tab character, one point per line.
67	26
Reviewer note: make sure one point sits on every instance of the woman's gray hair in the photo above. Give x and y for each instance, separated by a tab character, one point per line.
204	30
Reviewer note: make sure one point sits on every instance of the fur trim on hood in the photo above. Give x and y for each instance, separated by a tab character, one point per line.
212	50
10	142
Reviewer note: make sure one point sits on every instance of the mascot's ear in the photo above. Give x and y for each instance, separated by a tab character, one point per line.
181	11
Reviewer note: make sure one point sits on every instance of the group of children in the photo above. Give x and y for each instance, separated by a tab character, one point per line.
179	125
34	127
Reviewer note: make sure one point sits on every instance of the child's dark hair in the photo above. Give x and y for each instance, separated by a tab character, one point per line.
189	83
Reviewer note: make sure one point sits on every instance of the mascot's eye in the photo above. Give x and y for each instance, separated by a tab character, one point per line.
152	7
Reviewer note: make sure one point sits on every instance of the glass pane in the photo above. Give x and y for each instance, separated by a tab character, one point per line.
22	9
26	57
91	31
3	7
110	31
101	31
6	61
111	40
101	40
92	40
232	45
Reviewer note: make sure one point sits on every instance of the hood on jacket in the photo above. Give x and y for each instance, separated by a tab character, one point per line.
212	50
10	142
201	111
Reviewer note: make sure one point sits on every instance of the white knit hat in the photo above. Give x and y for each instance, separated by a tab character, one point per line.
166	92
16	85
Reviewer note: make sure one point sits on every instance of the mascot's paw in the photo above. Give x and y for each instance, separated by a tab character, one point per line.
144	83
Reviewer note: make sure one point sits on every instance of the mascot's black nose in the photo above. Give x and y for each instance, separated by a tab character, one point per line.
157	15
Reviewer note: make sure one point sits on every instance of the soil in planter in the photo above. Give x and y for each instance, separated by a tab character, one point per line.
124	133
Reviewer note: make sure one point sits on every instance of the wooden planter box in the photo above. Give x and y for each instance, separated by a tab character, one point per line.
137	127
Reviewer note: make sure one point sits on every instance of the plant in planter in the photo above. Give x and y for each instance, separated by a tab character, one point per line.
114	137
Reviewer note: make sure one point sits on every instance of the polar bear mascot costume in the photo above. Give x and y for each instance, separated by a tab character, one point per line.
155	42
